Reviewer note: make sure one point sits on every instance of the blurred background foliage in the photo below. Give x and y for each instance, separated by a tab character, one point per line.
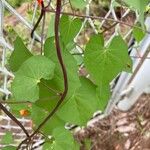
17	3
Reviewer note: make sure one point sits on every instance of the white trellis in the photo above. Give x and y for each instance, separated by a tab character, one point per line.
135	86
129	86
7	48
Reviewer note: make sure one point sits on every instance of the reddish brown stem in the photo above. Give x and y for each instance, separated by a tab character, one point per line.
97	18
14	119
39	20
59	55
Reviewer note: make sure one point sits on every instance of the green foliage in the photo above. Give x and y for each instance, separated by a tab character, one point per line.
38	114
19	55
78	3
39	79
17	2
138	34
25	85
59	143
83	103
105	63
51	32
69	28
140	6
15	109
71	66
103	92
9	148
7	138
87	143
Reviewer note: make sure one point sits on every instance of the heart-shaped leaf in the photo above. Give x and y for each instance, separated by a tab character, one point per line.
104	63
71	67
38	114
25	85
81	105
60	143
19	55
69	28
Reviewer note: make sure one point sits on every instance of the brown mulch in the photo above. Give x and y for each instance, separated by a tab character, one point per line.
121	130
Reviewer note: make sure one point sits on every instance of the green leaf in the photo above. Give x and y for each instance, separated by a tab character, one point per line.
15	109
71	67
140	6
69	28
47	103
51	30
9	148
80	4
103	92
38	115
118	48
63	140
19	55
7	138
104	63
25	85
79	59
47	146
81	106
87	144
138	34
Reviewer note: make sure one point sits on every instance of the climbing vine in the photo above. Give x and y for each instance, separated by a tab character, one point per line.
49	87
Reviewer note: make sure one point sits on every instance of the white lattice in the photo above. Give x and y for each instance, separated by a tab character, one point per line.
6	74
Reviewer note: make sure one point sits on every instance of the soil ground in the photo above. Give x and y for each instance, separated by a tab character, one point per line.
121	130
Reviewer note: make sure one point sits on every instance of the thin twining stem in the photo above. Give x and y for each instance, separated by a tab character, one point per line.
97	18
11	116
12	102
42	32
59	55
9	102
38	21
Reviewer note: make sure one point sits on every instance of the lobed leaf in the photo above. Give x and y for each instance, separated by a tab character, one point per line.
61	143
71	67
25	85
81	106
105	63
69	28
38	115
19	55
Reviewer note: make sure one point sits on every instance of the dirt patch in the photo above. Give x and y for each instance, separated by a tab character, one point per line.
121	130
